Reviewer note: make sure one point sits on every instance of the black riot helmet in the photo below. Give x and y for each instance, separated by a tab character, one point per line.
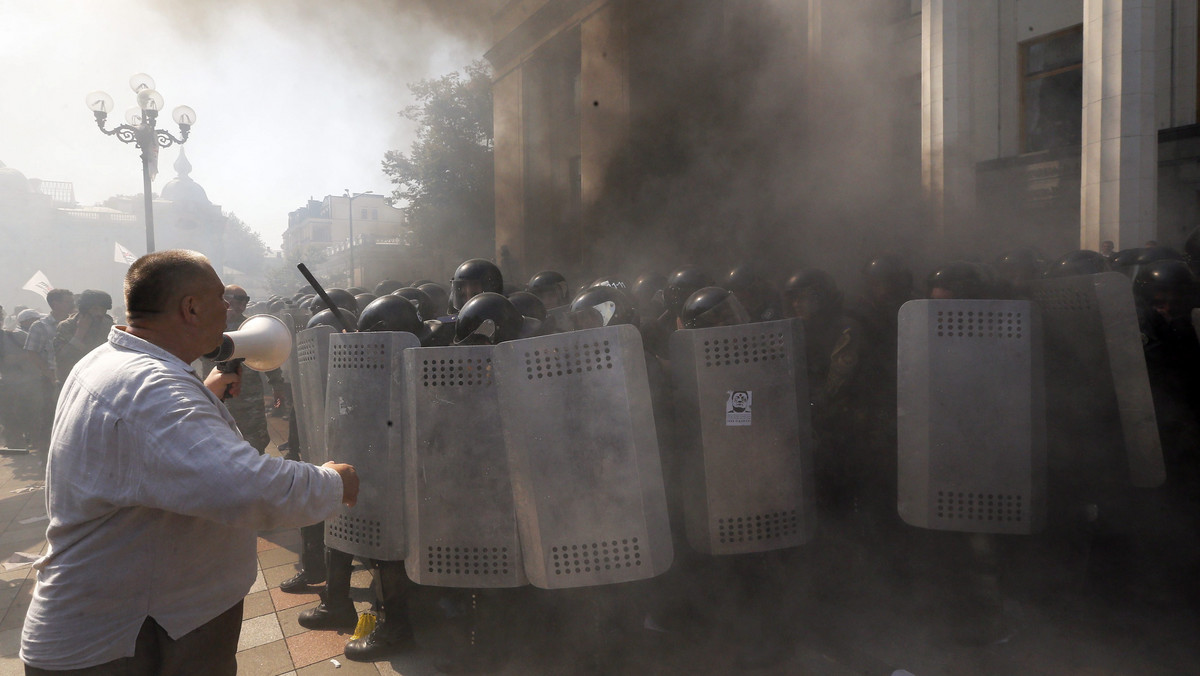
1021	265
420	300
959	280
755	292
528	304
550	287
489	319
681	284
1168	286
325	318
340	297
712	306
612	306
357	290
472	277
645	286
391	313
438	294
1082	262
387	286
362	300
811	293
889	281
1151	254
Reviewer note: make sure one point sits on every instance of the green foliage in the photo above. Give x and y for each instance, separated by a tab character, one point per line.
445	181
244	248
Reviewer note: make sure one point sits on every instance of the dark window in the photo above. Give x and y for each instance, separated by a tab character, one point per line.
1052	91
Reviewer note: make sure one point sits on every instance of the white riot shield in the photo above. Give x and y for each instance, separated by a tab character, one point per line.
366	387
1097	375
745	436
971	416
291	368
459	513
583	456
312	369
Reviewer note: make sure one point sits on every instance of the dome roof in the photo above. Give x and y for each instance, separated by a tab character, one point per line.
12	181
182	188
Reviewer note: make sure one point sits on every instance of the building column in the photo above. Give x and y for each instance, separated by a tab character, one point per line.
1120	137
947	173
509	154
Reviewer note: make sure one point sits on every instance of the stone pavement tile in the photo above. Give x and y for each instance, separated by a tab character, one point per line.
10	642
31	544
256	604
11	666
314	646
286	537
288	622
259	631
344	667
265	544
269	659
284	600
15	617
278	556
260	583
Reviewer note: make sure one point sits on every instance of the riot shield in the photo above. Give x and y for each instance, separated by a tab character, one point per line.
1102	412
1196	321
745	436
583	456
312	374
459	515
366	387
971	416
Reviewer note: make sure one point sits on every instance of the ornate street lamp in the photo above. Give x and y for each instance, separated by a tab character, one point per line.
140	129
351	199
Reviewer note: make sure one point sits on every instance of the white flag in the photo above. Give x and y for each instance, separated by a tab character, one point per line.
123	255
38	284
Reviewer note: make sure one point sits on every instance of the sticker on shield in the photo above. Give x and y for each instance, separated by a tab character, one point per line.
737	407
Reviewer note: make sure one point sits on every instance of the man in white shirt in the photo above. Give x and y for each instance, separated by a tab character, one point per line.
154	498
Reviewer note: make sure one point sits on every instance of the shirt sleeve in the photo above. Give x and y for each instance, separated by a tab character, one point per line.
182	455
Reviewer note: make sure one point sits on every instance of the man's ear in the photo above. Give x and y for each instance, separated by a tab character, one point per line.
189	310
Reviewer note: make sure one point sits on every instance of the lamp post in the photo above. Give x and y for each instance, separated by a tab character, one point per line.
351	199
140	130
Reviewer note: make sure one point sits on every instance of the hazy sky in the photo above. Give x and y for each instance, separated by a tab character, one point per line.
293	98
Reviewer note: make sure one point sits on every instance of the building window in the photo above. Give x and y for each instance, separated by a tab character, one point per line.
1052	91
363	215
374	214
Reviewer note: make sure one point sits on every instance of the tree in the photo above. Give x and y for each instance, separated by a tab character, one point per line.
245	250
445	181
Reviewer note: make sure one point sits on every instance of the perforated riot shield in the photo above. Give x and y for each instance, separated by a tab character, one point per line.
1102	412
745	436
582	450
971	416
366	389
459	513
312	369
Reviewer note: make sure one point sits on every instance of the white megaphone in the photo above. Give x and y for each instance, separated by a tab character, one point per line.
263	342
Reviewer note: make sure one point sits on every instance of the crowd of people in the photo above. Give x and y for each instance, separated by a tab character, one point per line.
851	346
851	355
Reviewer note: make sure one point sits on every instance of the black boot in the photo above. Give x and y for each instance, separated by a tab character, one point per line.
312	560
392	634
390	637
336	610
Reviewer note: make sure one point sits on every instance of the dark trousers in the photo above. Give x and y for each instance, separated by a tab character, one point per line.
208	650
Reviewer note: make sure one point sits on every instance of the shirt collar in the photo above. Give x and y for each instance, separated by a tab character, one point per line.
125	340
